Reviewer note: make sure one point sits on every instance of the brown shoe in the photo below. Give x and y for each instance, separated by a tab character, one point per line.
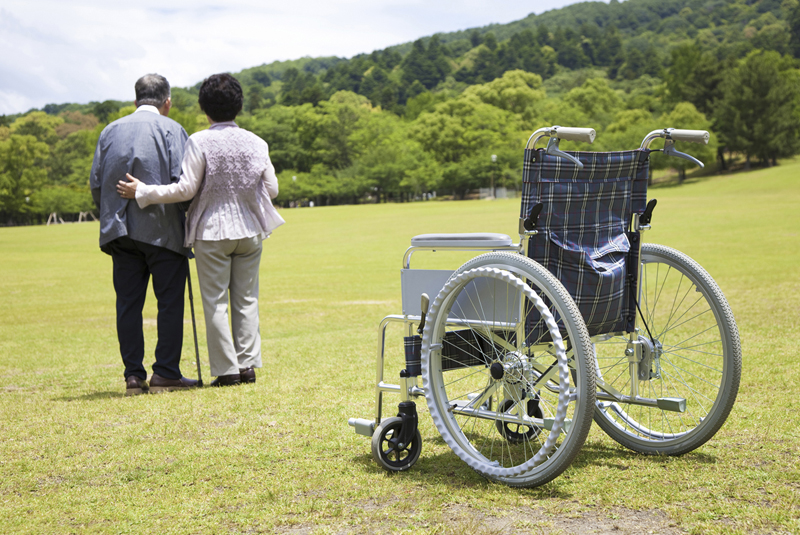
161	384
247	375
135	386
227	380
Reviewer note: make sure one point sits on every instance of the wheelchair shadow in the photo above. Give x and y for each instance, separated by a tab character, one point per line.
92	396
615	457
436	469
433	469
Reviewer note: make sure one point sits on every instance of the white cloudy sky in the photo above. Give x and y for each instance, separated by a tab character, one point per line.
56	51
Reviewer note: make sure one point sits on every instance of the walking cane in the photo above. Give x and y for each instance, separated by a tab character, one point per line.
194	328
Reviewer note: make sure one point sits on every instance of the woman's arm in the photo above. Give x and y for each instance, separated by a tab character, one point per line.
269	178
193	169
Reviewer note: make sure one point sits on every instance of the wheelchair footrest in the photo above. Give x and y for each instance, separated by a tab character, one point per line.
362	426
549	422
671	404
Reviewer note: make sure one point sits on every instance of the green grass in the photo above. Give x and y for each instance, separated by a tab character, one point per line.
78	457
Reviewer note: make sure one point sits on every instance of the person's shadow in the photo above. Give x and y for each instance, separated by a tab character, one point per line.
92	396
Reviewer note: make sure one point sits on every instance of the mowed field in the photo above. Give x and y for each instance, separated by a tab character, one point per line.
278	456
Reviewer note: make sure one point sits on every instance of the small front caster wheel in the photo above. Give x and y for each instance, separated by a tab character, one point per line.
387	450
517	433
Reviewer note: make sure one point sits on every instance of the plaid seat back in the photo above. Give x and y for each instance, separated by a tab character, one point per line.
583	234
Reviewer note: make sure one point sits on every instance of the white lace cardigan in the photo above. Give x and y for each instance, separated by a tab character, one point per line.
228	173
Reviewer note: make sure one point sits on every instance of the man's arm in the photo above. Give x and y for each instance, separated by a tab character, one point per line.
94	176
194	165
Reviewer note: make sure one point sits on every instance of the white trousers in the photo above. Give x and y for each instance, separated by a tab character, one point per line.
229	269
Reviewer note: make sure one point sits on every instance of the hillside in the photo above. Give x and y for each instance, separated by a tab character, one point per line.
424	118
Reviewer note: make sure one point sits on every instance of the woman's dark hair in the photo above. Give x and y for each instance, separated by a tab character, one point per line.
221	97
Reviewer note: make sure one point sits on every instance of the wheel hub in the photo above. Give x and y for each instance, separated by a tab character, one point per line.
497	370
649	366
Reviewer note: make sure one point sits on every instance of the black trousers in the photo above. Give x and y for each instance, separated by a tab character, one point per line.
134	263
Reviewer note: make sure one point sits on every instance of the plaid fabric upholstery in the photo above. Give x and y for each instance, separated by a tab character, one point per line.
413	347
465	348
583	238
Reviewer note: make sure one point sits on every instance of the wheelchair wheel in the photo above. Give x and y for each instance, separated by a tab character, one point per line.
502	333
692	351
388	453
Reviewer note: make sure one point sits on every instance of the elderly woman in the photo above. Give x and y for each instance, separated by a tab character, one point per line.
228	173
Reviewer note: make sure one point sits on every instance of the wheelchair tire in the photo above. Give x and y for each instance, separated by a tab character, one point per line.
512	365
387	454
698	358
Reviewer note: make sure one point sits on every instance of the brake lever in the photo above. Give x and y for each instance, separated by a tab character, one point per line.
552	150
670	150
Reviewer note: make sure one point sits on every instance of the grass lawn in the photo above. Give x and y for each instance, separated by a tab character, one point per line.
278	456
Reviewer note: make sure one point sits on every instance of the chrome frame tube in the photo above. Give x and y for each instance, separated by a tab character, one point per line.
652	136
380	386
638	400
538	134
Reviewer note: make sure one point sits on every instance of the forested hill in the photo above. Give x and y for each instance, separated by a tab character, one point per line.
627	39
427	116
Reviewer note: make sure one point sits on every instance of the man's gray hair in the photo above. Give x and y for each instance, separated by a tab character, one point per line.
152	89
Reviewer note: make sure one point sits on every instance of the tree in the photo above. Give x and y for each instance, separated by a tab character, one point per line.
686	117
71	160
516	91
75	121
627	130
262	78
609	51
758	112
430	66
794	30
39	125
636	63
462	133
596	99
102	110
255	97
22	173
694	76
328	128
281	127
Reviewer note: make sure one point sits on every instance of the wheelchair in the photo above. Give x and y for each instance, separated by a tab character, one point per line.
523	346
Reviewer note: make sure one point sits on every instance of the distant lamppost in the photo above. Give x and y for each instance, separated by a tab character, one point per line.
494	164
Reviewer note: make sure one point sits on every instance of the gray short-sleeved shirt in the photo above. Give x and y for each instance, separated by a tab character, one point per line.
149	146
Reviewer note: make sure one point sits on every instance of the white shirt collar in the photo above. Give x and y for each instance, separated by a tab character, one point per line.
147	107
224	124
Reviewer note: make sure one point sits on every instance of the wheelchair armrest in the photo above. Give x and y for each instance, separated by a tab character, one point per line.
480	239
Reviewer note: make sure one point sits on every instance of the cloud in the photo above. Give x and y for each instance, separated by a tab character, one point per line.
93	50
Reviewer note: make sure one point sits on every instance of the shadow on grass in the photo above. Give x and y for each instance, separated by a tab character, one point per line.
433	469
612	457
436	469
91	396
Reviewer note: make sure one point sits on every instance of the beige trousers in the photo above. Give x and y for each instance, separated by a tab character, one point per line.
228	269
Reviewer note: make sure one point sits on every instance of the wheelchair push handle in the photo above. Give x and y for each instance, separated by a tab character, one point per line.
692	136
557	133
585	135
676	134
671	135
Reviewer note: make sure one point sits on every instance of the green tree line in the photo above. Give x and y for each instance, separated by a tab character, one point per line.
408	121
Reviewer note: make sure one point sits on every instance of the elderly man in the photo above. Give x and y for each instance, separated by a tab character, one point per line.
144	242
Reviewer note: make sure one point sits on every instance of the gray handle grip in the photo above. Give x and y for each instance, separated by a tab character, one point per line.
693	136
586	135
